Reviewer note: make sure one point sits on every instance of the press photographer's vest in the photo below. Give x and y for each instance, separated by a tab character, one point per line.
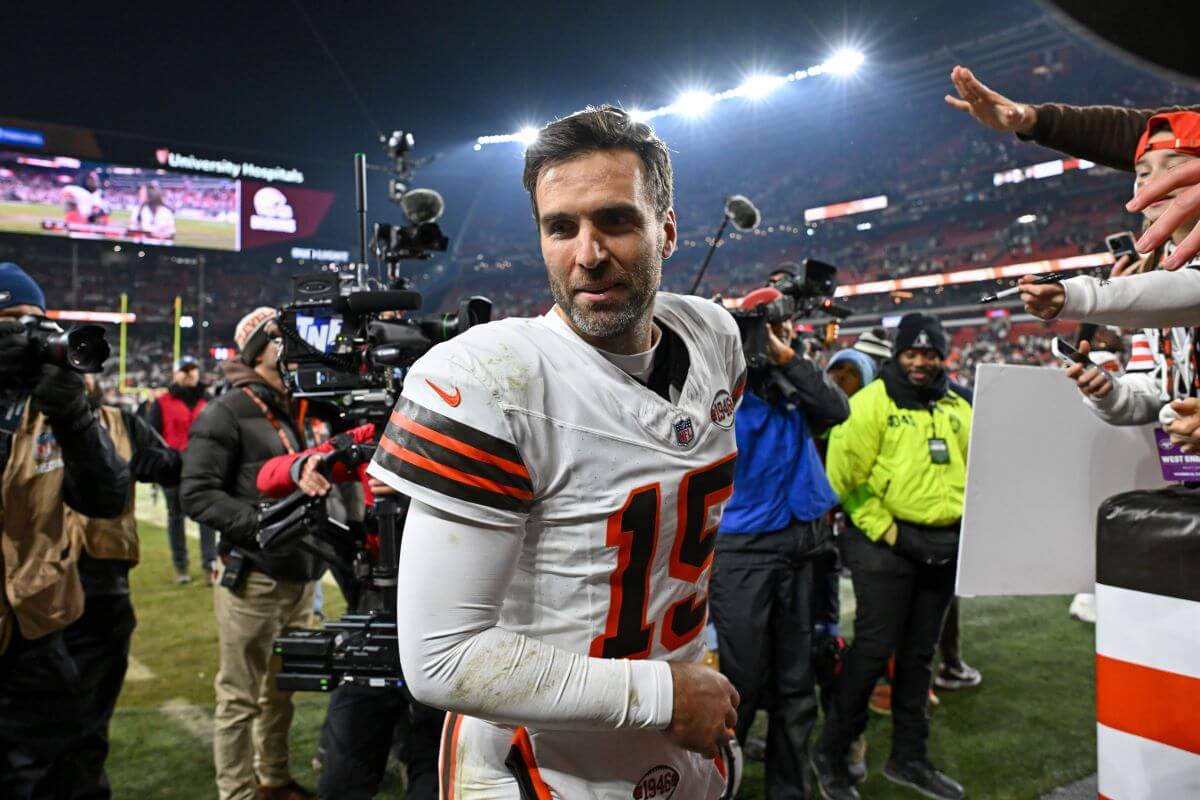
42	590
177	419
108	538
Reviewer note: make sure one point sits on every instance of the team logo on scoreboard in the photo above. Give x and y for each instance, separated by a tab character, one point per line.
684	431
162	154
721	412
272	212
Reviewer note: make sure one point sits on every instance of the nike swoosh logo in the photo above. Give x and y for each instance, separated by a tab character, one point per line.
452	400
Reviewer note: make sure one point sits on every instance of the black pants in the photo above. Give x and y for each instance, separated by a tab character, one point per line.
901	607
178	539
950	644
99	645
760	596
40	719
357	736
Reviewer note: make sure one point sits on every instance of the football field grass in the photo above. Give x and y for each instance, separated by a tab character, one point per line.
1029	728
27	218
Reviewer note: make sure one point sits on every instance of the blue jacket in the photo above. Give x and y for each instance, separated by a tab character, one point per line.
779	476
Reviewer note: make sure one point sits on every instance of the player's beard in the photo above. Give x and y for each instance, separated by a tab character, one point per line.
609	320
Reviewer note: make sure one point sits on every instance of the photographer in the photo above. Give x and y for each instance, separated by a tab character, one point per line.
762	584
53	454
259	595
359	725
899	466
108	548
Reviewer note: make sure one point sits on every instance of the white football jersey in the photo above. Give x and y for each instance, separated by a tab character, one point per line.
620	493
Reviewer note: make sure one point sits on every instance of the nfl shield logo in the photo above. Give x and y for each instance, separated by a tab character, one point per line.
684	432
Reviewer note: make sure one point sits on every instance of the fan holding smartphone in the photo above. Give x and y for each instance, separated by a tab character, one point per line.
1166	305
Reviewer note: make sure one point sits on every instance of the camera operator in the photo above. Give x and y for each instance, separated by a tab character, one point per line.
762	570
899	466
172	414
359	725
259	595
108	548
53	454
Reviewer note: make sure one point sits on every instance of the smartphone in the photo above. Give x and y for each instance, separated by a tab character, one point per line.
1067	353
1121	245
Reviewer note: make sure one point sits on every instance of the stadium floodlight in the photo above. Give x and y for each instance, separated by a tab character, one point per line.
694	103
844	62
757	86
478	146
1027	219
527	135
640	115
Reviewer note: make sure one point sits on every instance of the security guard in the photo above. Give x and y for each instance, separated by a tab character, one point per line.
899	465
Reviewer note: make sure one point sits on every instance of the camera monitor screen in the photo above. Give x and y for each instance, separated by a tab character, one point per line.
61	196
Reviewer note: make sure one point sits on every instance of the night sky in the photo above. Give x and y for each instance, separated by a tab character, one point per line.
253	76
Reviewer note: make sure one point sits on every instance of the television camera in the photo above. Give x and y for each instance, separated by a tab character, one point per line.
804	290
348	340
358	648
347	336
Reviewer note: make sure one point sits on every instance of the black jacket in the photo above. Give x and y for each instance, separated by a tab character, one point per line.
228	444
153	460
816	394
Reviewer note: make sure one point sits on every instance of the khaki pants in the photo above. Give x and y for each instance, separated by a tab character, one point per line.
251	721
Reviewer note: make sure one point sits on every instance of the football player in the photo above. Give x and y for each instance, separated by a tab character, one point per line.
567	475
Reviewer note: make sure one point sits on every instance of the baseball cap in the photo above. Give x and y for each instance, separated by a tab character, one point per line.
1184	124
186	362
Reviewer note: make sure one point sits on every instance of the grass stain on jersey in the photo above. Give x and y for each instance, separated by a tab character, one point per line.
509	369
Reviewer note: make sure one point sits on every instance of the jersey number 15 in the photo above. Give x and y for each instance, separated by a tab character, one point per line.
634	531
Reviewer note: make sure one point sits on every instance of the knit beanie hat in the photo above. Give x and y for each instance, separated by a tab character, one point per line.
921	331
251	333
18	289
873	345
862	361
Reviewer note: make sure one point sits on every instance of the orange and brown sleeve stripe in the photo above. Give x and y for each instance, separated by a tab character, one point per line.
454	459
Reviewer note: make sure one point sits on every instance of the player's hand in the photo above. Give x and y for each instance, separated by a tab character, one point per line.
1044	300
705	709
1185	431
379	488
1091	380
312	482
1183	185
990	108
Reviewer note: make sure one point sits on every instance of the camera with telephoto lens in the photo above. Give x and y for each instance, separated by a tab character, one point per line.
83	349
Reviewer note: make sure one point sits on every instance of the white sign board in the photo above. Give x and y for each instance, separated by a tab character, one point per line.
1040	465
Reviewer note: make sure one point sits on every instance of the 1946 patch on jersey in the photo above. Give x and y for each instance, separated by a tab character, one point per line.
659	782
721	411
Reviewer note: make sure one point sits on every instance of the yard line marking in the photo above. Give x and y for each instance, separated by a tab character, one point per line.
192	718
138	672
